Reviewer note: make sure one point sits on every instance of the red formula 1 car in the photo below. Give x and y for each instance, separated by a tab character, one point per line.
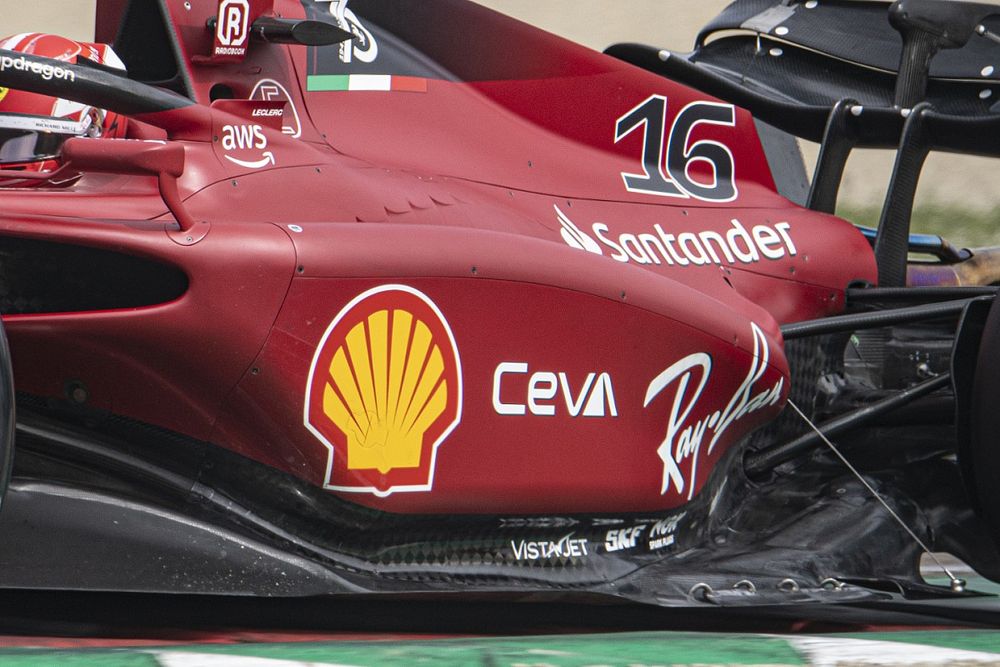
391	296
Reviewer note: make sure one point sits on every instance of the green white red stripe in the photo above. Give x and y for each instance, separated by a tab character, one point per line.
367	82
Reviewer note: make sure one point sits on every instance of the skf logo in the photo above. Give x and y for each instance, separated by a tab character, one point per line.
245	138
232	28
623	539
384	391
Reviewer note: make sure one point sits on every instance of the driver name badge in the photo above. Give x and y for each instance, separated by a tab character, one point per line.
384	391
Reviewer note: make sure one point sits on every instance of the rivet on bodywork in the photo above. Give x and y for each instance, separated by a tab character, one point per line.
77	392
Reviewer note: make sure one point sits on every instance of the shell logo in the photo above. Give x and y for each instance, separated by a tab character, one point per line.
384	391
3	92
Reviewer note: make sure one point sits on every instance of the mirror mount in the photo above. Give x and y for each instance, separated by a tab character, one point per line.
138	158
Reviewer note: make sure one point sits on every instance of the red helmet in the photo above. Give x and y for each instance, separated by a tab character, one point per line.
33	127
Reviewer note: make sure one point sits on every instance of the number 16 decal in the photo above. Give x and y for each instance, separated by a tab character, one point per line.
680	154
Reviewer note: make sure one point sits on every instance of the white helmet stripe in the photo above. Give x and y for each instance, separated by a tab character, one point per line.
63	108
11	43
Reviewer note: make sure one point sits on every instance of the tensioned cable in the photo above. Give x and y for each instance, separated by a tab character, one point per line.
957	585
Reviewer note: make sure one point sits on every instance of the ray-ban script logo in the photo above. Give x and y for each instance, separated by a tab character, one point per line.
684	436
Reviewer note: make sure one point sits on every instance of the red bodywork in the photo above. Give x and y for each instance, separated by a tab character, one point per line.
518	332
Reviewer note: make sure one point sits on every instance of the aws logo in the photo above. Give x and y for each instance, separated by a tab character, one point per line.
384	392
243	138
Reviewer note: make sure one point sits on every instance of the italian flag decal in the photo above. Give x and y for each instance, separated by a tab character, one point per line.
356	82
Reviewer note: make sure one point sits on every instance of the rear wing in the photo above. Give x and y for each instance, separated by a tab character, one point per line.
913	75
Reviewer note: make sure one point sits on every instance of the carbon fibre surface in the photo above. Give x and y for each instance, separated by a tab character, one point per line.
856	32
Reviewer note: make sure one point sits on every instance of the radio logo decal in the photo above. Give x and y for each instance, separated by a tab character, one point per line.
232	29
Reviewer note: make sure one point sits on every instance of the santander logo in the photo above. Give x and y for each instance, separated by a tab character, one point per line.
740	244
574	237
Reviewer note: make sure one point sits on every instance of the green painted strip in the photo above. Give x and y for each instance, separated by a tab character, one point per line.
82	658
328	82
559	651
609	650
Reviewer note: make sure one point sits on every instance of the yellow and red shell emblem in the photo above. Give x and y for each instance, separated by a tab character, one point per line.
384	391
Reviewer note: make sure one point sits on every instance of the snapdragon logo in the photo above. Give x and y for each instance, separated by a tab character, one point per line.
740	244
44	70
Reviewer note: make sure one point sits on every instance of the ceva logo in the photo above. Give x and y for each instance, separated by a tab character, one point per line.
540	393
384	391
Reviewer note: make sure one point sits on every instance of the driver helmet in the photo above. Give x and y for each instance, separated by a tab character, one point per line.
33	127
